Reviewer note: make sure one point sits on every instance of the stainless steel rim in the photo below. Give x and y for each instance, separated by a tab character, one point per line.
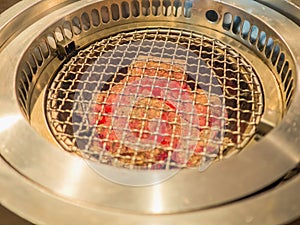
36	168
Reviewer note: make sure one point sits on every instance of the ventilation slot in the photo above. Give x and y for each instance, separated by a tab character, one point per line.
22	95
25	83
289	87
28	72
51	41
23	89
105	14
284	71
32	63
146	8
86	23
188	8
246	29
236	28
289	94
76	26
227	21
125	10
67	30
167	8
262	41
135	8
38	56
115	12
289	99
269	47
44	49
275	54
253	34
177	8
95	17
280	62
58	35
287	81
156	8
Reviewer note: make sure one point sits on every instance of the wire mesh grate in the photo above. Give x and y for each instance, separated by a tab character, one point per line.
155	99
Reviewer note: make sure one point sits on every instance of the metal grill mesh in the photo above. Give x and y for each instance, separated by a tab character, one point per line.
155	98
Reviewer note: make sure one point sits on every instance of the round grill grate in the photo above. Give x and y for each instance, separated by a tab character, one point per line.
155	99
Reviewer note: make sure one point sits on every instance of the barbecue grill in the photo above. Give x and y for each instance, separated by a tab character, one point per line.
63	65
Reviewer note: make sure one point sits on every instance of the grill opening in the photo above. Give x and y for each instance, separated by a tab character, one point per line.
155	99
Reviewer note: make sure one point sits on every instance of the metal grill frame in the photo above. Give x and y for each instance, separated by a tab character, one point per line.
57	182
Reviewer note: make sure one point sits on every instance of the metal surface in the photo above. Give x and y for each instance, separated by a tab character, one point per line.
65	187
289	8
278	206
